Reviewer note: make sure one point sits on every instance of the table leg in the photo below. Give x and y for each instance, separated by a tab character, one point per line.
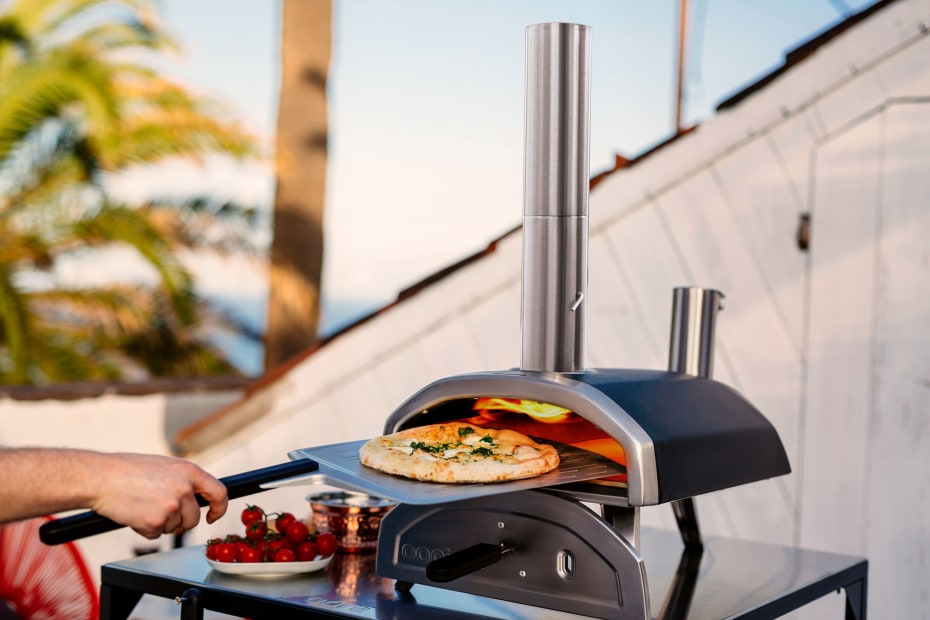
856	599
117	603
191	606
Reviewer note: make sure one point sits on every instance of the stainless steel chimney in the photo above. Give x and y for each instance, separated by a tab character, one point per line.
555	208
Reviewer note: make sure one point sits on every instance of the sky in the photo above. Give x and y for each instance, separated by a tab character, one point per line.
426	112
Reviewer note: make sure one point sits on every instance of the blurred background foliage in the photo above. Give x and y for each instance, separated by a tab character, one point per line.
78	104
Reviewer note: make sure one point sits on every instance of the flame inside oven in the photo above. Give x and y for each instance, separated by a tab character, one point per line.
546	421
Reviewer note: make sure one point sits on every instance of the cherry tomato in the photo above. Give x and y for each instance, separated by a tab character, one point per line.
297	532
326	544
234	538
211	547
226	552
251	514
262	547
284	520
305	551
256	530
284	555
274	545
249	554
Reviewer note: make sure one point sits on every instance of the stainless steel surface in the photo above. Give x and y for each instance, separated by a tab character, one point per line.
555	211
340	466
554	276
694	315
626	521
564	556
691	351
582	398
737	580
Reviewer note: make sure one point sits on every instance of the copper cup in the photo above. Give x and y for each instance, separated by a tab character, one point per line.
353	518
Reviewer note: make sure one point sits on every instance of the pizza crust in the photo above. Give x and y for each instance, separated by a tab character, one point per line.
456	452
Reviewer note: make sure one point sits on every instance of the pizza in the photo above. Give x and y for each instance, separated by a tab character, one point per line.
456	452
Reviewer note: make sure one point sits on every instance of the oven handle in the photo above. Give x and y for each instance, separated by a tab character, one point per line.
465	561
90	523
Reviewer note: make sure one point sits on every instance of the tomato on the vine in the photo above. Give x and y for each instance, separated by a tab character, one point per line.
297	532
271	537
256	530
326	544
211	547
226	552
284	520
305	551
284	555
251	514
249	554
276	544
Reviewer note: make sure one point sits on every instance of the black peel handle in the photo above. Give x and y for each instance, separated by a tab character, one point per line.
464	562
90	523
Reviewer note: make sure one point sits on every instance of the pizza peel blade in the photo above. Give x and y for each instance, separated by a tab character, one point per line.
340	466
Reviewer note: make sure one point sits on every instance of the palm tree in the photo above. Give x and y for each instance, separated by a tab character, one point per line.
78	105
297	243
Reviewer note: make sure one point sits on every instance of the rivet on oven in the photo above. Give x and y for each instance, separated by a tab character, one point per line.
500	525
522	573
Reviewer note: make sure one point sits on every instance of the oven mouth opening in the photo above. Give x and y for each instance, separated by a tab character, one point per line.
544	422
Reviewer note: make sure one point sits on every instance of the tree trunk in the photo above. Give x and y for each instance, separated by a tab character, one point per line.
301	150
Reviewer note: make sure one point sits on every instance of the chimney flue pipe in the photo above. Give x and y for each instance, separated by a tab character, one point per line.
555	207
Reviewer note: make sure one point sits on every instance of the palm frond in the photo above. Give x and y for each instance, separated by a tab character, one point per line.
42	91
47	18
203	223
117	224
131	33
15	334
72	110
113	311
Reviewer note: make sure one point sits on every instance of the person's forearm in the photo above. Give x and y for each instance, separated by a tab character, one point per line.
39	481
150	493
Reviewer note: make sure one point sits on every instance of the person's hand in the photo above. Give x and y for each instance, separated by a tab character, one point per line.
155	495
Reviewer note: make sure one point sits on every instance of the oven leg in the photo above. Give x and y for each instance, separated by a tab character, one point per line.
117	603
687	521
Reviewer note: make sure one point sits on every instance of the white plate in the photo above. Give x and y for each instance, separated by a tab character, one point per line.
268	569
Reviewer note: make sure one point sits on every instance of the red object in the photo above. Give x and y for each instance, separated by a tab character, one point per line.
226	552
297	532
249	554
284	555
282	522
256	531
44	582
326	544
251	514
305	551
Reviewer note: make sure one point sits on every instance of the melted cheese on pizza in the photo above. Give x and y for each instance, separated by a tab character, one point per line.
463	444
458	452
